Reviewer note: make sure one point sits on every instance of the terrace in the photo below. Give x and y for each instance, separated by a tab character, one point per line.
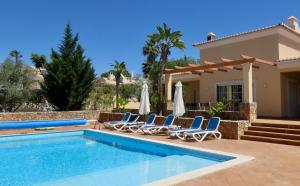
244	105
274	164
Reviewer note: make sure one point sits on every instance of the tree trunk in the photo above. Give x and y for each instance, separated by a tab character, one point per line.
160	90
163	62
117	92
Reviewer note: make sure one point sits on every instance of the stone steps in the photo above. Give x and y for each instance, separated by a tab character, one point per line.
272	129
277	125
271	140
280	132
273	135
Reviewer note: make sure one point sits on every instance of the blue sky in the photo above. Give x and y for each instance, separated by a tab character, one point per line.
117	29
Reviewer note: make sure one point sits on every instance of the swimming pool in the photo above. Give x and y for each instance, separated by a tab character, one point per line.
90	157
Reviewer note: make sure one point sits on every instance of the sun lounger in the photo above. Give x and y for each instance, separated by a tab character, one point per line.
135	127
158	129
196	125
211	130
132	119
124	119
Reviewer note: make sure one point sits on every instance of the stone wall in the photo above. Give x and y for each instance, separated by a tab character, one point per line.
21	116
248	111
229	129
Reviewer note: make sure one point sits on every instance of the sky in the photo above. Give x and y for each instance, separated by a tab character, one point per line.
112	30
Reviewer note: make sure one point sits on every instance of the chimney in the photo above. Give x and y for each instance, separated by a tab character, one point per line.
211	36
293	23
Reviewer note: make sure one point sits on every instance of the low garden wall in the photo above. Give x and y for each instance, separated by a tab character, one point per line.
248	111
21	116
229	129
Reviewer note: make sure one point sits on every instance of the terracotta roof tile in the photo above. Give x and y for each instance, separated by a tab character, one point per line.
248	32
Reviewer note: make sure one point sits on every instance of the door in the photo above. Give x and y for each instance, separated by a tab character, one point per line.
292	99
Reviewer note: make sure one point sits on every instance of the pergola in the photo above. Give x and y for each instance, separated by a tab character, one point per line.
244	64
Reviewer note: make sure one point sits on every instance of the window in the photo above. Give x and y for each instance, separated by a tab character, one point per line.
221	93
236	96
230	92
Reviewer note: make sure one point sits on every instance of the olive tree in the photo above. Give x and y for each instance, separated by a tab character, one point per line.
16	83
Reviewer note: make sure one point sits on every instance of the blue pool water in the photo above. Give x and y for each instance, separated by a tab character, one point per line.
91	158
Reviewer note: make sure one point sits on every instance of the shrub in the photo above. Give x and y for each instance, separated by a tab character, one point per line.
217	109
122	103
101	98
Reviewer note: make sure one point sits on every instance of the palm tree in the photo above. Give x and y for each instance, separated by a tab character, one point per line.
151	51
165	40
16	54
39	61
119	68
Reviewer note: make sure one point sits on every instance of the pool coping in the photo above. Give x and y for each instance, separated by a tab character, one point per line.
239	159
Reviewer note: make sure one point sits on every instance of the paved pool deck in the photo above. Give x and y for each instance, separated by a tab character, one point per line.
274	164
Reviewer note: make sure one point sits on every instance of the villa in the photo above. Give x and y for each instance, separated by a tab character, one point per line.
270	82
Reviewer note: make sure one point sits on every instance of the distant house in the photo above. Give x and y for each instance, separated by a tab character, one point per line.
111	80
37	77
275	88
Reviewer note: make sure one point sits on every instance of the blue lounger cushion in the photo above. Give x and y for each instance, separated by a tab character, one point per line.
41	123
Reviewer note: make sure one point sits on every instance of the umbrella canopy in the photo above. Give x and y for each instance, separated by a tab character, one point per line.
145	104
178	105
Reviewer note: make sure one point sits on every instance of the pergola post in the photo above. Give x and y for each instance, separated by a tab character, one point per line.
168	89
247	81
248	108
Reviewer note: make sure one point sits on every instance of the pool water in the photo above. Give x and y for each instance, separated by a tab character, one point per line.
93	158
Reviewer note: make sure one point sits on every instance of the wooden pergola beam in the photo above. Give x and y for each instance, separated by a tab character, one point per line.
208	62
198	72
259	60
168	69
222	70
208	67
229	68
238	68
226	64
255	66
248	57
208	71
193	65
225	60
214	69
179	67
